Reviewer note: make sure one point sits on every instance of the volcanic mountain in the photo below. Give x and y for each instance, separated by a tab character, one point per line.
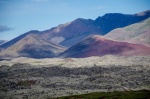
70	33
33	46
138	33
96	45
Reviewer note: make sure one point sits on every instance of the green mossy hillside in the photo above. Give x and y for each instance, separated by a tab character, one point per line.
142	94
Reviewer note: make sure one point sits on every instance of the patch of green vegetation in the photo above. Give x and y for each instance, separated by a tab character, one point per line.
142	94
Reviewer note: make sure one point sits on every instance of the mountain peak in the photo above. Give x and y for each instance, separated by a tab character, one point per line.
144	13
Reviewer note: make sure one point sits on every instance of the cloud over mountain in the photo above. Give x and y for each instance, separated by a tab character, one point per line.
4	28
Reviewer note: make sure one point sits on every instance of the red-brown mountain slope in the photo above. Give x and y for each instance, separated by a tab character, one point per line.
96	45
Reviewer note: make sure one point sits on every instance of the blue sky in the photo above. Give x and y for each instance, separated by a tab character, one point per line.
20	16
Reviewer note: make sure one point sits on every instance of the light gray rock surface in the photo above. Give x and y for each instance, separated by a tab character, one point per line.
42	78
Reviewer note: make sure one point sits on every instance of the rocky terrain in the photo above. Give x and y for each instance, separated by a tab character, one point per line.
46	78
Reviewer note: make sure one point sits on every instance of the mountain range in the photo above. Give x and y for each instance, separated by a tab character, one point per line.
71	36
71	33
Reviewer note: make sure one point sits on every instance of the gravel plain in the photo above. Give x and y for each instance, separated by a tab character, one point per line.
28	78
